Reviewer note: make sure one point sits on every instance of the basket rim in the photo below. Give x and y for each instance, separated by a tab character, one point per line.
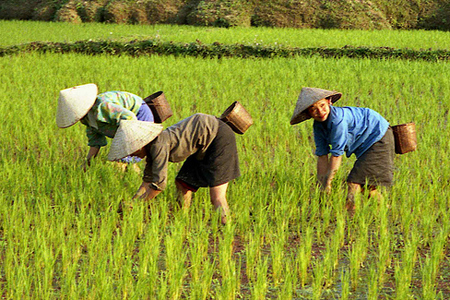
154	96
403	124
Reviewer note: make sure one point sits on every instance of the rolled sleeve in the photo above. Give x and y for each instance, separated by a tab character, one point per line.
95	139
320	139
157	166
338	137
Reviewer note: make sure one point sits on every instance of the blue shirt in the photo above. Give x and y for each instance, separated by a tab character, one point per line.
350	130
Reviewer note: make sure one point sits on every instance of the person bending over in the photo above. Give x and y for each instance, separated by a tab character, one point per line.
349	130
206	145
101	114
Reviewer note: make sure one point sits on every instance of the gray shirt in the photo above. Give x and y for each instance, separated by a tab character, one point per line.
176	143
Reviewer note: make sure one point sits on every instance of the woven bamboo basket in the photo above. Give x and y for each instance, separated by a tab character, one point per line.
237	118
405	138
160	106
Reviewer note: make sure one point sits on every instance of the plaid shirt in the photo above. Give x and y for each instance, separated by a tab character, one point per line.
103	118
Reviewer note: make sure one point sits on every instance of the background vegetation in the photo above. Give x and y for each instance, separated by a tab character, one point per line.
342	14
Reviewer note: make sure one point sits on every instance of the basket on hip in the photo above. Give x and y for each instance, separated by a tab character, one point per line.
159	106
405	138
237	117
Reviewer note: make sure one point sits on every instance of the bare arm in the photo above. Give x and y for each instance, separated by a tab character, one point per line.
322	169
146	192
93	151
333	166
326	170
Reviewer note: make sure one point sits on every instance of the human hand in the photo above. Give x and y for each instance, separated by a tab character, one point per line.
325	192
146	192
124	206
143	191
93	151
324	184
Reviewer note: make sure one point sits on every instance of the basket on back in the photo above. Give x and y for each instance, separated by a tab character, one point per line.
160	107
405	138
237	118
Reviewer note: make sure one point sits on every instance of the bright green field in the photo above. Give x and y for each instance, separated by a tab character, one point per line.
18	32
61	236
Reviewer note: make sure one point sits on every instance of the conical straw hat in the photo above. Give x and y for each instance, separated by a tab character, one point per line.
131	136
308	96
74	103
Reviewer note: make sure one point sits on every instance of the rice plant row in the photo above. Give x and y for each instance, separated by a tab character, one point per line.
62	237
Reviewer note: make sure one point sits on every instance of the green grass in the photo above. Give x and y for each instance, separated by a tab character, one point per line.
18	32
61	237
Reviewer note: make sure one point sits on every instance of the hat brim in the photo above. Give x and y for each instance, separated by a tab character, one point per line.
301	111
131	136
74	103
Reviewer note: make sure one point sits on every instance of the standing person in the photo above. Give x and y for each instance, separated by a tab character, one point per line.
207	145
100	114
353	130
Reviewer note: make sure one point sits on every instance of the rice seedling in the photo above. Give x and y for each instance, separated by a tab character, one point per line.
430	267
261	285
345	284
303	258
318	279
229	275
404	273
372	291
253	256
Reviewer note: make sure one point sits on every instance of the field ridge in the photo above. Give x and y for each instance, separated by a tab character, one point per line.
198	49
